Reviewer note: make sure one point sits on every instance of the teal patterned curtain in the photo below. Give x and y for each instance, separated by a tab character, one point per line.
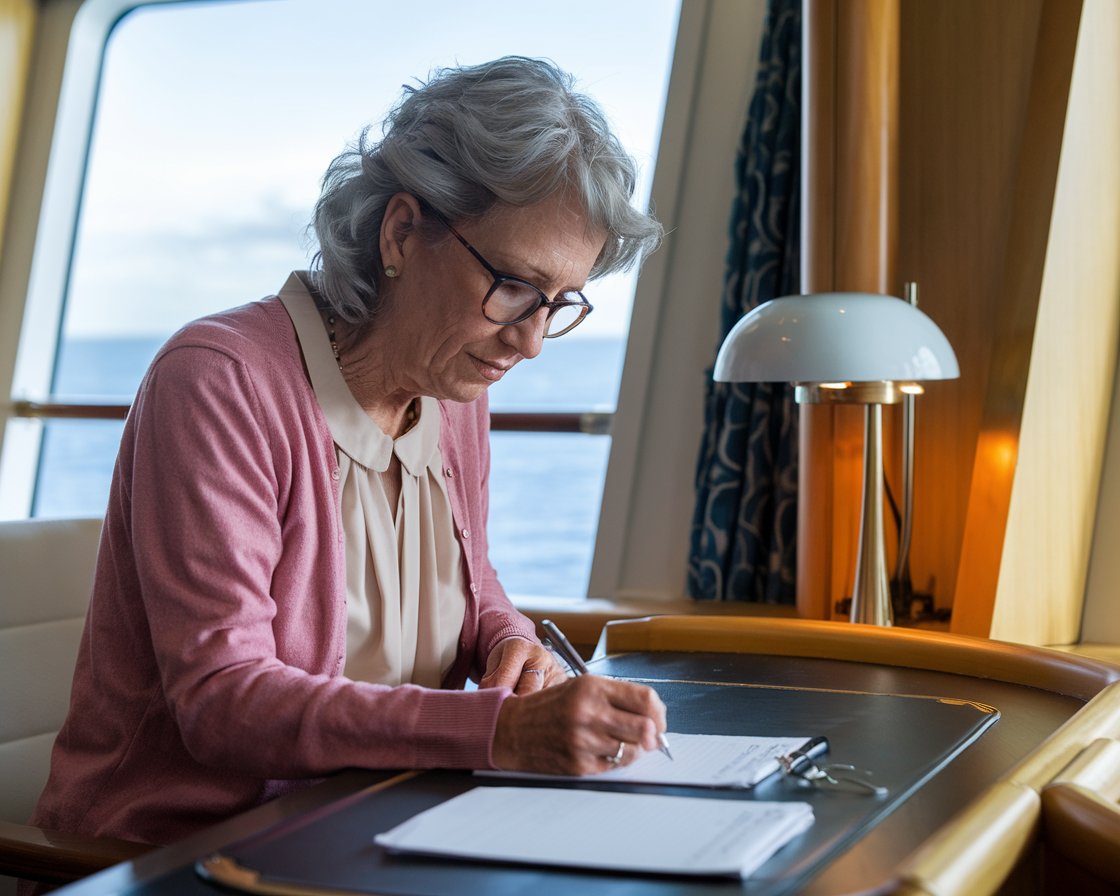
743	539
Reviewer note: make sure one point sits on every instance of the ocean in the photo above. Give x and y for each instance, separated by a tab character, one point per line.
545	488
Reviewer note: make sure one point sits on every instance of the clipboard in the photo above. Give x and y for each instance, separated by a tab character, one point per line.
700	760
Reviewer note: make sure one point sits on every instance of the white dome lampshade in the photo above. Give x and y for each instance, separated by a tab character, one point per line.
835	337
847	347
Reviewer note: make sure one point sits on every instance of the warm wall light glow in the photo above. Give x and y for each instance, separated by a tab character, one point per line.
911	388
834	385
998	451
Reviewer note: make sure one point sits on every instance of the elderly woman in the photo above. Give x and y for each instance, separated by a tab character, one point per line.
293	576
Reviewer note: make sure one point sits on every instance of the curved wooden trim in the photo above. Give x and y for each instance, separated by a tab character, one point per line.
1050	762
1084	828
975	852
583	620
38	854
1038	667
1096	767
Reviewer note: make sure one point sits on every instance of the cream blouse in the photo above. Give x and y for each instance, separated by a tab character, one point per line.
404	588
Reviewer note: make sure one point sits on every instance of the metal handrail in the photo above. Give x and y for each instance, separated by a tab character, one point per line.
586	422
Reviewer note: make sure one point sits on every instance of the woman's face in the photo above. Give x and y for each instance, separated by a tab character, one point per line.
442	343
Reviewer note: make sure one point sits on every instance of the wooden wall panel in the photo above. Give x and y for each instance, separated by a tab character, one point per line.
849	230
17	29
966	74
1044	564
1008	456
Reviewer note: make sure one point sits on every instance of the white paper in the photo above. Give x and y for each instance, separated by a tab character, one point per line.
699	760
635	832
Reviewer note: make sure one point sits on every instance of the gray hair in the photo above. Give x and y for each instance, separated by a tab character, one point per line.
512	131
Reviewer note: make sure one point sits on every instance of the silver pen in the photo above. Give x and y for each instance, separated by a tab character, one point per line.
571	656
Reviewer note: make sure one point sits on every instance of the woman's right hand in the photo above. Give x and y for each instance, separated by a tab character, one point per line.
576	727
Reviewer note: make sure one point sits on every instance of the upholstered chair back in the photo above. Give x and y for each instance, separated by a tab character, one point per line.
46	573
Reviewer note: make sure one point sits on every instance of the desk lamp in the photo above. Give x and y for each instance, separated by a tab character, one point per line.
845	348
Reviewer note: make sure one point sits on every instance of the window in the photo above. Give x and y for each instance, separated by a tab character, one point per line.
215	122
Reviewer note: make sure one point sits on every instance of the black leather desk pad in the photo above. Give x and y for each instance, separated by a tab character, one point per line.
903	739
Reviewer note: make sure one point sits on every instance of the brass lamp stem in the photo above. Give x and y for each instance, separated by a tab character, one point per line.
901	577
871	599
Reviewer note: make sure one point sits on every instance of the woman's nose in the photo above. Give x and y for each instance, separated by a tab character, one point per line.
528	335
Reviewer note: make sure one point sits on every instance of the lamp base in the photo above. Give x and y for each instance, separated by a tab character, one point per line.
871	595
919	612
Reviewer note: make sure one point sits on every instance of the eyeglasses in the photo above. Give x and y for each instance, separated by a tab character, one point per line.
511	300
806	772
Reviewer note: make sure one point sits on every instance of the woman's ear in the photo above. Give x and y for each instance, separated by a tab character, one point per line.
398	226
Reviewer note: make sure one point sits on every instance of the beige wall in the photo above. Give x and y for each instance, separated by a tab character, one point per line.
642	546
1101	620
17	26
1032	503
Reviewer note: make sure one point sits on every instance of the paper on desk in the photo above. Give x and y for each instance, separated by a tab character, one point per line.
699	760
636	832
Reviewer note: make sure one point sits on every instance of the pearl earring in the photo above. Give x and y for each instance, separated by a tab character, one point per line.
391	271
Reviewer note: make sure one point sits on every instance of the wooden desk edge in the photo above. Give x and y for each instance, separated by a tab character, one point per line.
974	852
1040	667
583	620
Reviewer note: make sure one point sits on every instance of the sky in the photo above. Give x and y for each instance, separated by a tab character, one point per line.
216	121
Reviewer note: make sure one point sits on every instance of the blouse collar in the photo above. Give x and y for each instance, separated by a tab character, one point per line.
353	431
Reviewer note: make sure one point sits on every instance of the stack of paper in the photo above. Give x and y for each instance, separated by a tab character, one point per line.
633	832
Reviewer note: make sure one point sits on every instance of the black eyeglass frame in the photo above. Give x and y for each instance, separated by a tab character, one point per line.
553	305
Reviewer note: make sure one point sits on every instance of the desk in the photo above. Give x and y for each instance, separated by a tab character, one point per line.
1028	716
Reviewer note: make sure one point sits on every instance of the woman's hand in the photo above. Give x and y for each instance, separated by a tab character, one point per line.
524	666
582	726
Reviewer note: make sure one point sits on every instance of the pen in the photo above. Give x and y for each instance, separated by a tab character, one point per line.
571	656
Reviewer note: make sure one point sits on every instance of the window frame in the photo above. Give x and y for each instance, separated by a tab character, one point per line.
53	151
656	427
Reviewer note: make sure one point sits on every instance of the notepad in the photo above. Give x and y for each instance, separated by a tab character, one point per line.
699	760
632	832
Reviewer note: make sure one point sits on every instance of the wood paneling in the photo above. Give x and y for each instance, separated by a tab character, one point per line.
1007	215
17	32
850	225
967	74
1052	498
17	27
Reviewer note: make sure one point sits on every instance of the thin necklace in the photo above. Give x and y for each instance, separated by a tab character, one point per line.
334	342
411	413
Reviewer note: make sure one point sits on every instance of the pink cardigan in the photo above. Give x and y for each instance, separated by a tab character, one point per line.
209	675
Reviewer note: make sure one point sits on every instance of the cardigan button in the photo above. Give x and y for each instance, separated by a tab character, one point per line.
448	473
335	474
466	533
474	588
